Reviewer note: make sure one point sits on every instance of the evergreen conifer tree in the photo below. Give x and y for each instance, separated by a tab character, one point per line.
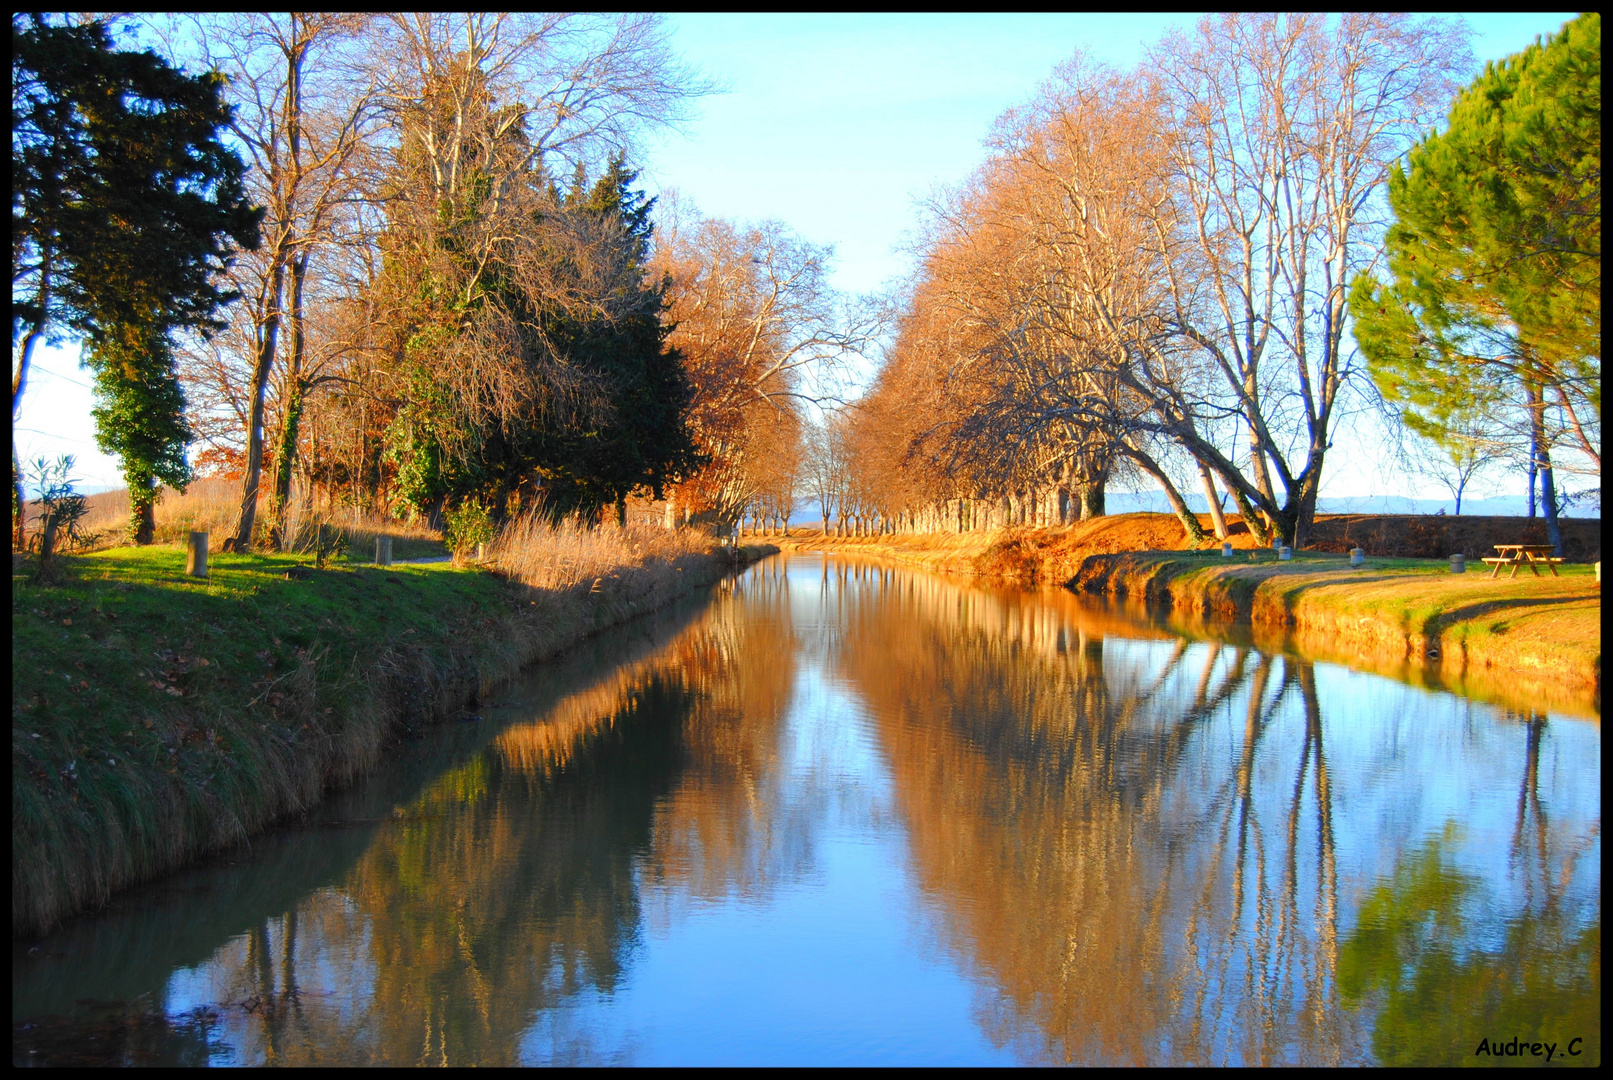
1494	289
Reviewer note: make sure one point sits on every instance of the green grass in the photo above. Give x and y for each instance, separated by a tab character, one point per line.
1535	633
153	713
157	716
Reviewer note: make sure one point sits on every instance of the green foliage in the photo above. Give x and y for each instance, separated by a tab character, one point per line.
125	206
646	443
1440	991
61	511
125	202
1495	254
467	525
140	413
590	402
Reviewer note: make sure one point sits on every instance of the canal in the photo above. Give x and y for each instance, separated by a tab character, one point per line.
839	812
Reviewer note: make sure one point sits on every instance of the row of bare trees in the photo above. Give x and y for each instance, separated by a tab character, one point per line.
451	249
1147	278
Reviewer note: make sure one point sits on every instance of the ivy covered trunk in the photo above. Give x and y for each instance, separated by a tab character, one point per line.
284	458
142	511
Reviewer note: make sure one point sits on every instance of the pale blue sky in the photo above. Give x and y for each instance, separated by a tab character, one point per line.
837	125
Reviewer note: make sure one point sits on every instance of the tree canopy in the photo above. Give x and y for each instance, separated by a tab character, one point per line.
126	205
1494	259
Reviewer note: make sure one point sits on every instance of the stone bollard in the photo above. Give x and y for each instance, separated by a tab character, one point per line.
1285	552
196	555
1458	564
481	552
1276	543
1357	556
383	551
1226	550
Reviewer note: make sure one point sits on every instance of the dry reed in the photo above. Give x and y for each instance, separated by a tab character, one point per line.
569	556
212	505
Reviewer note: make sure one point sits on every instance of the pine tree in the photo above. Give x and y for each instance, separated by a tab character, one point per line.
125	206
645	443
140	415
1495	255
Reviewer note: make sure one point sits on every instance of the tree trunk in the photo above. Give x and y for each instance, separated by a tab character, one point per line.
1542	461
1089	497
621	511
19	501
1189	520
1216	515
1534	456
142	512
1310	483
262	364
19	383
1548	499
1258	525
286	450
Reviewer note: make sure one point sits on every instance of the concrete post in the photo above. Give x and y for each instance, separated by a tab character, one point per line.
196	555
1284	551
1357	556
383	551
1458	564
1226	549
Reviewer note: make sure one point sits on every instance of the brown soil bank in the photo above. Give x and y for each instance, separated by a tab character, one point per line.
1542	636
1056	554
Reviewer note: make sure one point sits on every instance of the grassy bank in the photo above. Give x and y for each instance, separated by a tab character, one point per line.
1543	635
156	717
1512	641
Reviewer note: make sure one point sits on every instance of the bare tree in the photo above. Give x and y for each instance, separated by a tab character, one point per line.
301	116
762	333
1283	131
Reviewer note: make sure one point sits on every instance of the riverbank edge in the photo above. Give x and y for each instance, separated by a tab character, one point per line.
1369	613
406	685
1290	597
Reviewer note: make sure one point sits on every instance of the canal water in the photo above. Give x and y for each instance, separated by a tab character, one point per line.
836	812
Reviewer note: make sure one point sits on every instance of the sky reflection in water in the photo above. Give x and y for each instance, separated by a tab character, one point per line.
844	813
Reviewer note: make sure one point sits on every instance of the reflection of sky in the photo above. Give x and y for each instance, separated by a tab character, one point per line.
824	972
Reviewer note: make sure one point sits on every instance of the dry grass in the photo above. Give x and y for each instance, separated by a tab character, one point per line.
212	505
568	556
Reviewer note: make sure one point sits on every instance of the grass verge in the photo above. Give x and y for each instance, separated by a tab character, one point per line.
156	717
1541	635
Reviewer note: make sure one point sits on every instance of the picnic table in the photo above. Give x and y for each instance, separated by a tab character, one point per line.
1516	555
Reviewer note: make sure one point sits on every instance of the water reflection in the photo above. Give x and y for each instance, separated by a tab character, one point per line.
1142	845
844	812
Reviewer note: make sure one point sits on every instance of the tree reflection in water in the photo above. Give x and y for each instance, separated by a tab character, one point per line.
1134	847
513	882
1106	828
1425	954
